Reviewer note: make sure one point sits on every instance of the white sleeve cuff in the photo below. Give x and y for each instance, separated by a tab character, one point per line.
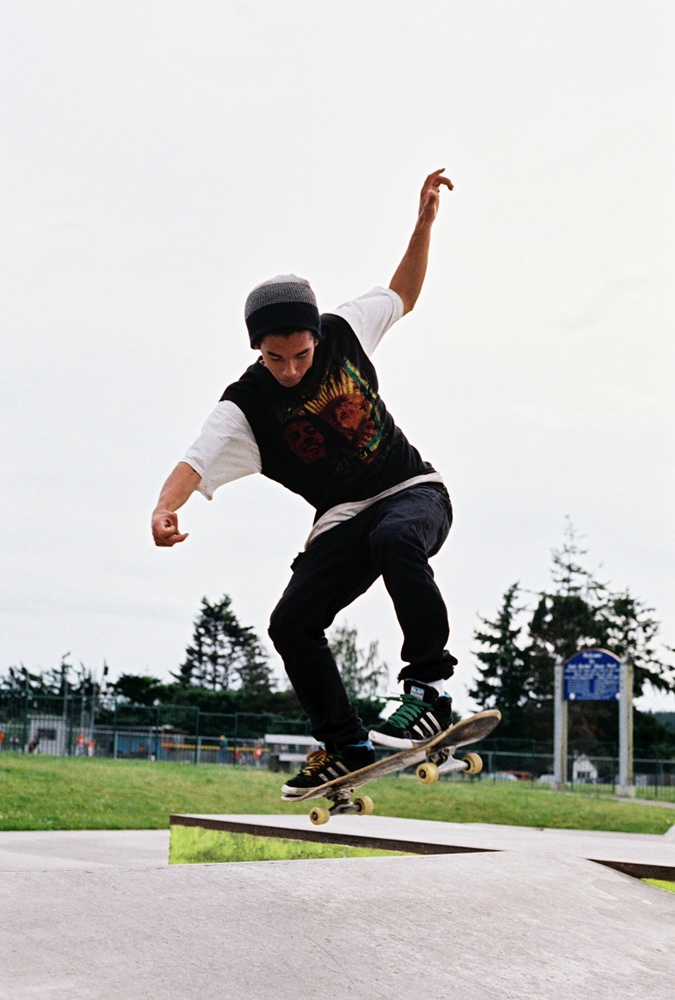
225	450
371	315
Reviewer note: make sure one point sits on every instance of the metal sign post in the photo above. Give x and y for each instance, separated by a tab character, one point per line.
559	728
594	675
626	778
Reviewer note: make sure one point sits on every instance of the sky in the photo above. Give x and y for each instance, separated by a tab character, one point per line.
158	159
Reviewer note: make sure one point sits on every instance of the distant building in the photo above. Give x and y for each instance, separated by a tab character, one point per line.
584	770
48	734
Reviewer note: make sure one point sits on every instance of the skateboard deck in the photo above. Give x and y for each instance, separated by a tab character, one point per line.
429	756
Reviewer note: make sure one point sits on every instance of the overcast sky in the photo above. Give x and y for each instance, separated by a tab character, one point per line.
158	159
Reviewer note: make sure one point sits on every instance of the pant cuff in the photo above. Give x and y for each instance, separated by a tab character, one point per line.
438	670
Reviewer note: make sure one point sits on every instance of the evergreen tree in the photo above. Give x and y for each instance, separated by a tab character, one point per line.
505	676
53	682
517	674
56	680
19	683
254	674
138	689
584	613
224	654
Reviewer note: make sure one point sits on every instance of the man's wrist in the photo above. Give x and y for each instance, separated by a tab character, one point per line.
161	512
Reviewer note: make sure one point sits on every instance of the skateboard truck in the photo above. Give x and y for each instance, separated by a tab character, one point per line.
443	763
342	803
427	773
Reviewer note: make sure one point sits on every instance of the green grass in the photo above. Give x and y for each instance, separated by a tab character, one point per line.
670	886
192	845
73	793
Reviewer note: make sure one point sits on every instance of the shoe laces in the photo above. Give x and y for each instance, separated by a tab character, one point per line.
315	761
408	711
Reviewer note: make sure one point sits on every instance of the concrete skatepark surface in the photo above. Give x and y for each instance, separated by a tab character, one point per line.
101	916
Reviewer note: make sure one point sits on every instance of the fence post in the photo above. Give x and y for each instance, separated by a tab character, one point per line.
657	769
158	733
24	725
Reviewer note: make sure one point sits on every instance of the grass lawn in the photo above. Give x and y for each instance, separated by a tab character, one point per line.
73	793
192	845
670	886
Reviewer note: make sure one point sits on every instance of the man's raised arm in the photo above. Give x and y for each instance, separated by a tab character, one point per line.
409	276
178	488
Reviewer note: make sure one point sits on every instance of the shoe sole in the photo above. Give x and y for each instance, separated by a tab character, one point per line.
396	742
295	791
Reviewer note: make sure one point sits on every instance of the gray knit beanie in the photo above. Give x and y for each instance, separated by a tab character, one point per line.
282	302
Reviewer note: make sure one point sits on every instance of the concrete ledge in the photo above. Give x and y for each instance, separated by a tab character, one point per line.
322	836
639	855
636	870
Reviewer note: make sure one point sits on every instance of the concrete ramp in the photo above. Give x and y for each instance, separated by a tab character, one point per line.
441	927
641	855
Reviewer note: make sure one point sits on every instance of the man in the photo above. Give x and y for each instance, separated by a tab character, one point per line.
308	414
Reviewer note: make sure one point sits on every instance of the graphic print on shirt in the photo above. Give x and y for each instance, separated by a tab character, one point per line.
329	439
341	421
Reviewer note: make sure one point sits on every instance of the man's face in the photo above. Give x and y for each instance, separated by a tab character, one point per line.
288	358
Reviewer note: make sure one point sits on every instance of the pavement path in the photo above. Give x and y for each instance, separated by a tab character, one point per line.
44	851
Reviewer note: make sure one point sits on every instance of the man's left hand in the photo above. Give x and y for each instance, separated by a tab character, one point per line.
430	196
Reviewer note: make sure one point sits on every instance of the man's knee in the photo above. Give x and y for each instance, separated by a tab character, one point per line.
288	629
281	630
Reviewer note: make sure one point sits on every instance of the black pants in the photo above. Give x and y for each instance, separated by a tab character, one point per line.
393	539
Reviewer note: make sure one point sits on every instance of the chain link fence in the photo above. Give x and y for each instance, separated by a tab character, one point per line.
81	727
654	777
73	726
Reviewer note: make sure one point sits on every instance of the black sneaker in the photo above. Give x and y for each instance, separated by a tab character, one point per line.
324	765
423	713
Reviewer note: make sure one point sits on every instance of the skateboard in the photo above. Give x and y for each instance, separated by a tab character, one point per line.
432	757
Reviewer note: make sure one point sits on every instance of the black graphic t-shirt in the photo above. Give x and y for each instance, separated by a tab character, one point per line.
330	438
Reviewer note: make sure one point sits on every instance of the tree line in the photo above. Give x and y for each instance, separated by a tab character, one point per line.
226	668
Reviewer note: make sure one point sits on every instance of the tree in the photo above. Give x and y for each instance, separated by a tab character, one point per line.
20	682
584	613
53	682
224	654
578	612
505	677
361	674
138	689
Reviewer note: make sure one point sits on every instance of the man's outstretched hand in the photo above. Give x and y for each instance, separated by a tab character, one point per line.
430	196
409	275
165	528
176	491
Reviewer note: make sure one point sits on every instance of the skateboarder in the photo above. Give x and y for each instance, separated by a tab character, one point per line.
308	414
